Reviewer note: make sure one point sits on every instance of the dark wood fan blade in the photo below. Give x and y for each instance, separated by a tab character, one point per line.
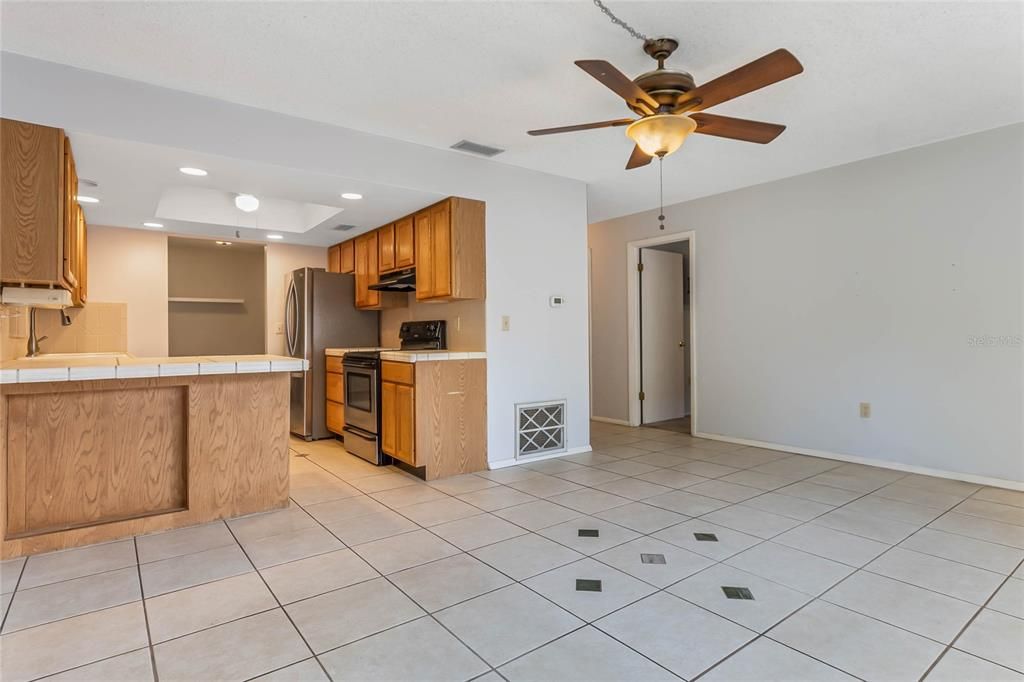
771	68
637	159
618	83
737	128
581	126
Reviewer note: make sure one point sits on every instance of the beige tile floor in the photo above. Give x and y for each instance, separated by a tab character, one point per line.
855	572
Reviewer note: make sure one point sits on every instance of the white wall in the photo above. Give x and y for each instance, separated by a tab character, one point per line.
864	282
536	223
281	260
130	266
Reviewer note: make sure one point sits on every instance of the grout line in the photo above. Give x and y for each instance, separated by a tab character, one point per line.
970	621
145	611
7	611
278	601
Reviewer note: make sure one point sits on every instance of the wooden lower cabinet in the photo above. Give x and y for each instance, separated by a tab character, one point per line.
398	421
434	415
94	461
335	390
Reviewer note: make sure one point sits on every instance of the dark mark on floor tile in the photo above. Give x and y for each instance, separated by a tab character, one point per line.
652	558
586	585
737	592
706	537
588	533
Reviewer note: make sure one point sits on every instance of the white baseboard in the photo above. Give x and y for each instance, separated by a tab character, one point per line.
883	464
512	461
609	420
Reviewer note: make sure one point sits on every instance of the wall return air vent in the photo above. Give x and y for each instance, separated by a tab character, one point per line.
476	148
540	428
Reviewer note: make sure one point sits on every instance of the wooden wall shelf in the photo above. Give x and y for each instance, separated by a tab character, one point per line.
190	299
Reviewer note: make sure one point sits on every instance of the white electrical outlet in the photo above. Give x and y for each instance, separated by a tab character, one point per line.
865	410
458	323
279	328
506	323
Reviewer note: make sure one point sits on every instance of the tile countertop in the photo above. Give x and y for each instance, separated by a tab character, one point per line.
431	355
67	367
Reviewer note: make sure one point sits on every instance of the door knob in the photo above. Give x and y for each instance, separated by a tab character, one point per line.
682	344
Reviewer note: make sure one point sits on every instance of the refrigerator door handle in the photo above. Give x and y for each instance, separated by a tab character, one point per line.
291	317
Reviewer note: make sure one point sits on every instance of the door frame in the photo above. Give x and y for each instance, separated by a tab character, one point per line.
633	321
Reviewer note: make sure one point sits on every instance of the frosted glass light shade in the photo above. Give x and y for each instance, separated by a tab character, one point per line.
661	134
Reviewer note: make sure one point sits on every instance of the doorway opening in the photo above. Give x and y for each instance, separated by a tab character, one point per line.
662	365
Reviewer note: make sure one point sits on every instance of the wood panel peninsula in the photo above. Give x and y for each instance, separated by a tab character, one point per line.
101	448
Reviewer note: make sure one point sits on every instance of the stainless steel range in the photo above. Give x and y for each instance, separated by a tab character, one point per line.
362	387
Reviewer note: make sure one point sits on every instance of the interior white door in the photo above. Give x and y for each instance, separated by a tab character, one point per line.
663	354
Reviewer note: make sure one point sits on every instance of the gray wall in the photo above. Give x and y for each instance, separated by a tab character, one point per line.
864	282
200	268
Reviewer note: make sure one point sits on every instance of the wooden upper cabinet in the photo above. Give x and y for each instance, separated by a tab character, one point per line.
334	258
450	250
42	227
366	271
386	248
34	197
347	256
405	243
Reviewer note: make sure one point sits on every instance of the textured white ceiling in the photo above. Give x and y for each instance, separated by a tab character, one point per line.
880	76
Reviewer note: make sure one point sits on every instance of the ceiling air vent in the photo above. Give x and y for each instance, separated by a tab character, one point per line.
343	228
476	148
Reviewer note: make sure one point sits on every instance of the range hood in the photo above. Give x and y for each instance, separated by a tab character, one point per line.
401	281
36	297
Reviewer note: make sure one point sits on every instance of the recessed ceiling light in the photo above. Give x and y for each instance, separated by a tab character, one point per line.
275	236
220	243
153	224
188	170
86	199
351	195
247	203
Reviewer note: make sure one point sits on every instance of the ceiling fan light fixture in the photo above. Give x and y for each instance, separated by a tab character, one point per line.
661	134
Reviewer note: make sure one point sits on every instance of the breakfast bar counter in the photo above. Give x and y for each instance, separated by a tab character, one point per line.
101	448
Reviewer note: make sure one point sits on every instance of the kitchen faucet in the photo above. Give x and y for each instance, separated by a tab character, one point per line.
33	342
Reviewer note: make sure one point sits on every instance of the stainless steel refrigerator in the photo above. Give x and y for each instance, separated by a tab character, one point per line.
320	313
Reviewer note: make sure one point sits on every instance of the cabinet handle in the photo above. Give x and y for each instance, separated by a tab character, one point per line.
456	393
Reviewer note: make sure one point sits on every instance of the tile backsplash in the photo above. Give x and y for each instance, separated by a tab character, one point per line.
96	328
466	322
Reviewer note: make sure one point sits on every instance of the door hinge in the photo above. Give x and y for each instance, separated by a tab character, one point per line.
639	267
641	395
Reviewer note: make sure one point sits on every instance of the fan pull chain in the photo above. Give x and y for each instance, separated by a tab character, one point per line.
619	22
661	193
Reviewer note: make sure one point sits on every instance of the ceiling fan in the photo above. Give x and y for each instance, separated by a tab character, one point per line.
669	103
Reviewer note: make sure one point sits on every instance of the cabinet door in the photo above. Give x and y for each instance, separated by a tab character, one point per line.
441	249
405	249
405	400
69	246
386	248
348	257
335	387
32	200
366	271
389	418
83	257
335	417
425	260
334	258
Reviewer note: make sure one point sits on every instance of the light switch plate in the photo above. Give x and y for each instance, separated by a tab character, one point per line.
506	323
865	410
